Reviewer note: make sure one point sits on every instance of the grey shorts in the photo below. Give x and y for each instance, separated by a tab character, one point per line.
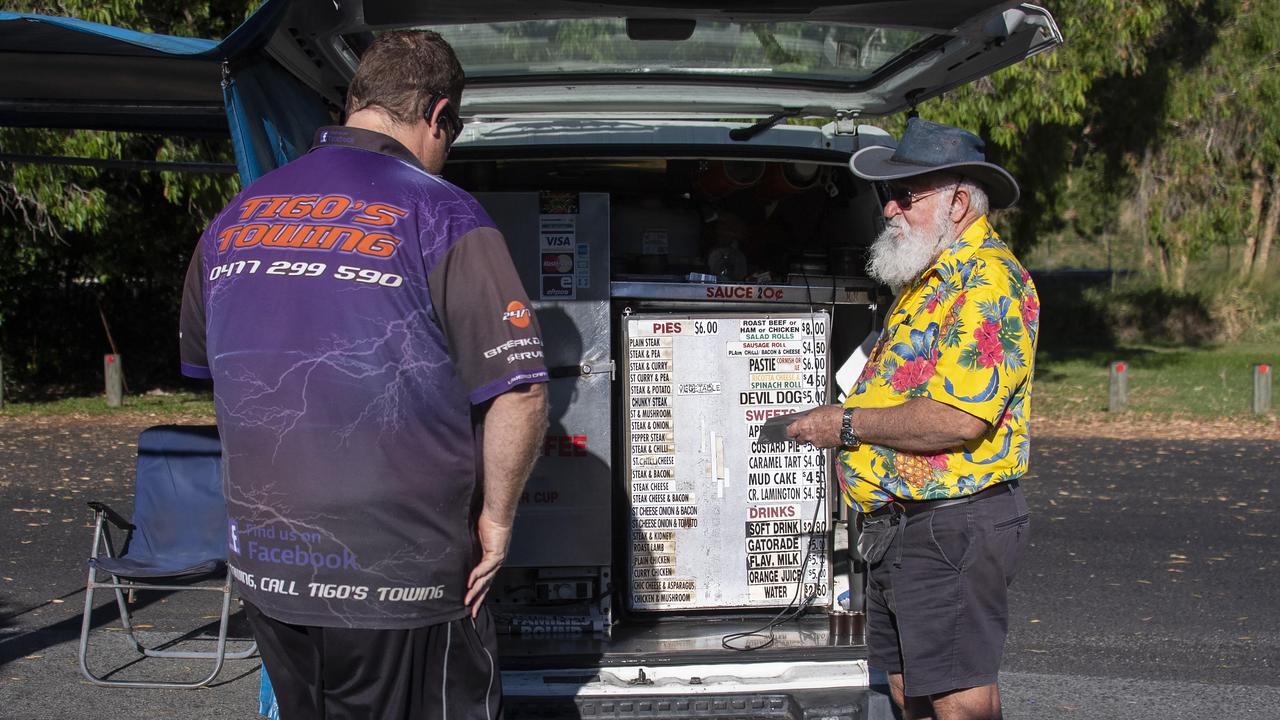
937	605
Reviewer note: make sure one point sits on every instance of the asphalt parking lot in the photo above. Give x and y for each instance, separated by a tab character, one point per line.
1150	592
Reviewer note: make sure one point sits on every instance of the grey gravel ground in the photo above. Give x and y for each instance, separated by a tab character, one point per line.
1151	590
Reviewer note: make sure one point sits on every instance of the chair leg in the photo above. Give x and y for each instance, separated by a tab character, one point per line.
126	619
219	655
223	624
86	625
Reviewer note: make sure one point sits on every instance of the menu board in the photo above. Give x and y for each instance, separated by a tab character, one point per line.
718	519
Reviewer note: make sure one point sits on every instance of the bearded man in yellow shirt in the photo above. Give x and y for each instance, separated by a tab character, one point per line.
934	436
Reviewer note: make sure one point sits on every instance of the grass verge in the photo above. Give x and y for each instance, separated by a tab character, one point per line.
1180	390
1210	382
155	403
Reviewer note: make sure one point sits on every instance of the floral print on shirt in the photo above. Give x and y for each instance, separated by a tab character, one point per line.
963	334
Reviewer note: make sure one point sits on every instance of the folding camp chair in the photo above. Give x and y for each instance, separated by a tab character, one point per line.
176	542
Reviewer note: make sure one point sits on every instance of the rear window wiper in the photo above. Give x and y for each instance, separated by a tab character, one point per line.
743	134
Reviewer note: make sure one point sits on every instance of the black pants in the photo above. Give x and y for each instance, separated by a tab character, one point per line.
447	671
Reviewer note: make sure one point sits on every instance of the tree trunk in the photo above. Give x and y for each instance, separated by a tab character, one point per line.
1255	218
1180	264
1268	230
1111	271
1162	266
1141	209
1177	260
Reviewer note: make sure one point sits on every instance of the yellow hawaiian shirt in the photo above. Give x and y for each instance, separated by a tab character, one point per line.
963	334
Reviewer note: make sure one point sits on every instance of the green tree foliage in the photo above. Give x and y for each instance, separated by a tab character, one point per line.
1151	127
87	248
1220	145
1038	115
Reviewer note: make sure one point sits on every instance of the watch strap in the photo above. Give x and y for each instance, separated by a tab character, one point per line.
848	437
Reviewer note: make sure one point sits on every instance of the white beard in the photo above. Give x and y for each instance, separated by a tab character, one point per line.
901	253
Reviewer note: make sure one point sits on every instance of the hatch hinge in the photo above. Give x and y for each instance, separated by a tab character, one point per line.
846	122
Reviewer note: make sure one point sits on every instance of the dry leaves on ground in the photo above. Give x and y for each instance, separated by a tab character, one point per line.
1129	426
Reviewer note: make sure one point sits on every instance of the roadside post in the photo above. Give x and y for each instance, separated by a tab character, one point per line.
114	375
1119	386
1261	389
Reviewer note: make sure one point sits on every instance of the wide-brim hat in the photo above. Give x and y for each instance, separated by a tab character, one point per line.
928	147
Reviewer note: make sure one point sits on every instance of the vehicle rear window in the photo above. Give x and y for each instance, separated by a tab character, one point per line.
782	50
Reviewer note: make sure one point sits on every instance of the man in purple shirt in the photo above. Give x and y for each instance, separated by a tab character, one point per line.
379	381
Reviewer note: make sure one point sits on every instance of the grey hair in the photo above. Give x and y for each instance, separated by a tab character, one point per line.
978	201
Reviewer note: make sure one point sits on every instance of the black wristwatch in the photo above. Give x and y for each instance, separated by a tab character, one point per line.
848	437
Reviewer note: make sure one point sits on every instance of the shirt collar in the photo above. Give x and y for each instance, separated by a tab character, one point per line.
963	248
359	138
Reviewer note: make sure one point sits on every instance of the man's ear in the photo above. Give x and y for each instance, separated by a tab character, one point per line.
959	203
432	116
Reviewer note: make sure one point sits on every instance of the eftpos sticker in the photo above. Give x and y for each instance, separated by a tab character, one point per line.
558	287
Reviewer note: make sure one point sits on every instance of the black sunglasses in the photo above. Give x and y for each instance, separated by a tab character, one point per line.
453	124
905	196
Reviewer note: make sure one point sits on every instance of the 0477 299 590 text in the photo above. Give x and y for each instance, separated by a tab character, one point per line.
367	276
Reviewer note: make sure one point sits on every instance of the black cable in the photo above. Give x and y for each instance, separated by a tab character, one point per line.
783	617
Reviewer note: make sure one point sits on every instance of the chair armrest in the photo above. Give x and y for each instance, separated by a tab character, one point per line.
111	515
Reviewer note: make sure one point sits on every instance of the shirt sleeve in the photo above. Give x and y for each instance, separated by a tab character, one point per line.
984	350
481	305
191	328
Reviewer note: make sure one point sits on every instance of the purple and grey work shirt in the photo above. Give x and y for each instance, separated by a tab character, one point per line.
354	313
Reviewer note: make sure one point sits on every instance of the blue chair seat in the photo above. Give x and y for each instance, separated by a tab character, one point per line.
151	569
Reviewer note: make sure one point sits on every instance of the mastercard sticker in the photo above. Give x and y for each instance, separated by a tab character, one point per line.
557	263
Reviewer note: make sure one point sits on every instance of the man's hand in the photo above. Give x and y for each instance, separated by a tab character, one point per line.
819	427
494	538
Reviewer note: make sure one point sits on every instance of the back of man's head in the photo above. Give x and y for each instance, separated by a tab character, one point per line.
400	72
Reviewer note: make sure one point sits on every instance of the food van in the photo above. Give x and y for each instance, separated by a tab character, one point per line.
696	263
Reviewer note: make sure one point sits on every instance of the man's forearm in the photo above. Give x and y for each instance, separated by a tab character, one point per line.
513	430
920	425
